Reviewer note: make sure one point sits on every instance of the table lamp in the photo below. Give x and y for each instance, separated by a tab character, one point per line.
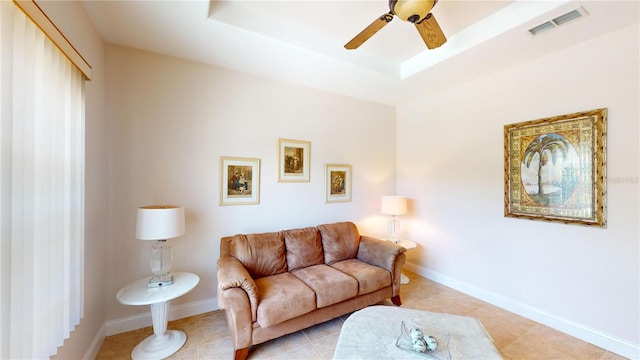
394	206
159	223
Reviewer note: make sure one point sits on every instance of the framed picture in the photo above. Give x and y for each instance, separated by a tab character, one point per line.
555	169
293	160
338	183
239	181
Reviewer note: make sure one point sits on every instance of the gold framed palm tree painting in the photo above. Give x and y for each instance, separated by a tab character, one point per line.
555	169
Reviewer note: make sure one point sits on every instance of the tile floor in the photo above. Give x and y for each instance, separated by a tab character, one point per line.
515	337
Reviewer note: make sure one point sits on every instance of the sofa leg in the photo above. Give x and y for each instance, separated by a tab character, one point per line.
241	354
396	300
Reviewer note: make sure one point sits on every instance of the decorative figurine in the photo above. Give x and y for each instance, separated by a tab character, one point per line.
419	345
432	343
416	334
419	341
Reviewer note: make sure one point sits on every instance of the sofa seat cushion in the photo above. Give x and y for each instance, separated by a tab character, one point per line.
283	297
370	277
330	285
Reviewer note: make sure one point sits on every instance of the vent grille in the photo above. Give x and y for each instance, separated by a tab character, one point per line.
563	19
560	20
542	27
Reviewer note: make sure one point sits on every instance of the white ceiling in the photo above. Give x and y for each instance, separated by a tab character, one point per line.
302	42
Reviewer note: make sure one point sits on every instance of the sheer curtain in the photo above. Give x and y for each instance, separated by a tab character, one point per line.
41	190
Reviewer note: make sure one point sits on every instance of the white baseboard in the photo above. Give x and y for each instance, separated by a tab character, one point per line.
96	344
580	331
585	333
134	322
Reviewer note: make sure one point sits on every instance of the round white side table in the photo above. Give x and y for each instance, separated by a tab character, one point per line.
162	343
407	244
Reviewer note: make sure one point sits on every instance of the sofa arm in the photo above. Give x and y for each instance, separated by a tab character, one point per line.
232	274
379	252
385	254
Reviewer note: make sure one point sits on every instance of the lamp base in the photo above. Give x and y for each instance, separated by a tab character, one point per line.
160	280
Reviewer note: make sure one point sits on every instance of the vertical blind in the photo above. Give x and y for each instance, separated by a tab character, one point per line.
42	190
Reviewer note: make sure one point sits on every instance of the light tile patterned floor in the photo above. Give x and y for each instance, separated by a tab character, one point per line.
515	337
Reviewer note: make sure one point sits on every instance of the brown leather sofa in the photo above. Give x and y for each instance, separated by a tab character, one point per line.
273	284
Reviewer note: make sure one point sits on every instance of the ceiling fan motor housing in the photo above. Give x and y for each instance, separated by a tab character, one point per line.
411	10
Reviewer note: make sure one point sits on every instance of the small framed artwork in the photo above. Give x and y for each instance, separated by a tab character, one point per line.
555	169
293	160
239	181
338	183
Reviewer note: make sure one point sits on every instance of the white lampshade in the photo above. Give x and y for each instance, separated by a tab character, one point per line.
394	205
160	222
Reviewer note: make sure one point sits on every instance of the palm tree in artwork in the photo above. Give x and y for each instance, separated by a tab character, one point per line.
545	146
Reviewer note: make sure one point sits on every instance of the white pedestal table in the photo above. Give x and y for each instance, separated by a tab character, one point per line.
162	343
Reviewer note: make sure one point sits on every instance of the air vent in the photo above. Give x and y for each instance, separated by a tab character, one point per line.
542	27
560	20
563	19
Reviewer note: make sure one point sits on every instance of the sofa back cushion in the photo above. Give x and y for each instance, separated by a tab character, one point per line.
304	248
340	241
261	254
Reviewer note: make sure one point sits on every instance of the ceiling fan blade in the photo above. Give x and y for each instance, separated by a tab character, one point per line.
430	32
369	31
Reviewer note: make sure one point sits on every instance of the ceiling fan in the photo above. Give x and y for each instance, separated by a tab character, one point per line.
413	11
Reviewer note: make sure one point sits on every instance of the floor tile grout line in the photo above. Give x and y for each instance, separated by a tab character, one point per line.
316	350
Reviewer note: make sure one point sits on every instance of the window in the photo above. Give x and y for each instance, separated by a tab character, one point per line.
41	187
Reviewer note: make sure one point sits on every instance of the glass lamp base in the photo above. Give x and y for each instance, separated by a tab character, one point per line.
161	259
160	280
394	226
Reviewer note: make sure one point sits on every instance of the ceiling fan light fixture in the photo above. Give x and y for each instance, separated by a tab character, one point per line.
409	10
413	11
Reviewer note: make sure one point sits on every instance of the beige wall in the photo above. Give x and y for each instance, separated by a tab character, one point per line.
450	162
170	121
155	130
